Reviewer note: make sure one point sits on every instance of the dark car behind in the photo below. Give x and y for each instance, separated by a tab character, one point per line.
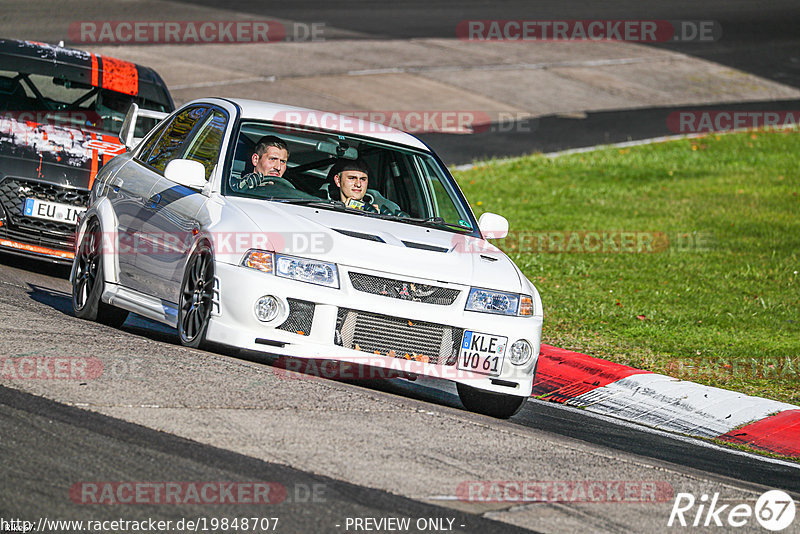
60	114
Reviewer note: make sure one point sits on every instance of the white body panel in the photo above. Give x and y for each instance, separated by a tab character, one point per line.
404	253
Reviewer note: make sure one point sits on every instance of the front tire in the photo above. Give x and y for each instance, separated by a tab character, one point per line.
488	403
88	283
197	290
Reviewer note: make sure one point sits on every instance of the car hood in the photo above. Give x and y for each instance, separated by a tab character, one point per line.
54	153
382	245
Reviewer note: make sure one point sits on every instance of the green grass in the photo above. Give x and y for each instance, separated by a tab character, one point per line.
717	301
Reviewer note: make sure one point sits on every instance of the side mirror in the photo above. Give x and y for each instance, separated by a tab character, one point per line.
186	172
129	126
493	226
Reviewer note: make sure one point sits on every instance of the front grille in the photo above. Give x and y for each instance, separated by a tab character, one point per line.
394	336
398	289
14	191
301	315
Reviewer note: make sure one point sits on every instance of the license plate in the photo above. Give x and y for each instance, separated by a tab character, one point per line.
52	211
482	353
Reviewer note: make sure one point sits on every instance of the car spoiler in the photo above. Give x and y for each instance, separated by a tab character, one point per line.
126	132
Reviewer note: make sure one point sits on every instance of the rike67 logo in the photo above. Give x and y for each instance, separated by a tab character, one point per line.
774	511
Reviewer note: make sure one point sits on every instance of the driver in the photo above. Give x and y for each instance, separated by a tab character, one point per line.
269	163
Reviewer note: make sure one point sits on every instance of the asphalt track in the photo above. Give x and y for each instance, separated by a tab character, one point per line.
758	39
46	446
549	417
87	446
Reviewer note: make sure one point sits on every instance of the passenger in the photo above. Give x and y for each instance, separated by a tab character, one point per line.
269	163
349	179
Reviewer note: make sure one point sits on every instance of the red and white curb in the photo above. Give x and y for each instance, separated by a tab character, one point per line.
666	403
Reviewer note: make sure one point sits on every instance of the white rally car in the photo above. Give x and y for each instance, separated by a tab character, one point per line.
179	232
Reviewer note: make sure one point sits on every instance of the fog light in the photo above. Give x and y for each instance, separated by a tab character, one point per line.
520	352
267	308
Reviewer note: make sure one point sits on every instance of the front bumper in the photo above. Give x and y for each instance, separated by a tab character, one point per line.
40	238
348	325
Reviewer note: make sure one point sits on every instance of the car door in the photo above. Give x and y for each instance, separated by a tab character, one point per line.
131	193
175	208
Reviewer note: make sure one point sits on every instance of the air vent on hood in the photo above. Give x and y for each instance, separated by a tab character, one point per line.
359	235
488	258
424	246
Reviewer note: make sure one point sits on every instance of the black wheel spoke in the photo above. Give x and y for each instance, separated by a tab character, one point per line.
196	321
187	323
80	292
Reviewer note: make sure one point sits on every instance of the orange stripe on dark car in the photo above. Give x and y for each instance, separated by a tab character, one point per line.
95	72
37	249
93	171
120	76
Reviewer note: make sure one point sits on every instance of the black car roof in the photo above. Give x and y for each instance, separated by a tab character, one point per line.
84	67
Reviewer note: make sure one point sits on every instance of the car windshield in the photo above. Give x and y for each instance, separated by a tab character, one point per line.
40	98
403	184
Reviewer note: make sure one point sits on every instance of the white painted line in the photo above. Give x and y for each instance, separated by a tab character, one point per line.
624	144
510	66
582	150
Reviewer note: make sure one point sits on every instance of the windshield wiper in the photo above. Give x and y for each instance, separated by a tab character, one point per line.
339	205
319	202
304	201
439	221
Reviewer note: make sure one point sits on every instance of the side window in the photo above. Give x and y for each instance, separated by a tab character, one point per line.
439	194
169	144
206	144
144	152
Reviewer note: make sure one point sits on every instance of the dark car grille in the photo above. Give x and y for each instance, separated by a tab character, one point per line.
14	191
399	289
301	315
374	333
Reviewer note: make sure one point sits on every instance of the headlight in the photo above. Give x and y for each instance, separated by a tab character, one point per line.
311	271
488	301
302	269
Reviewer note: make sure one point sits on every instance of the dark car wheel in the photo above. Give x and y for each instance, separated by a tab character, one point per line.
488	403
88	284
197	289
